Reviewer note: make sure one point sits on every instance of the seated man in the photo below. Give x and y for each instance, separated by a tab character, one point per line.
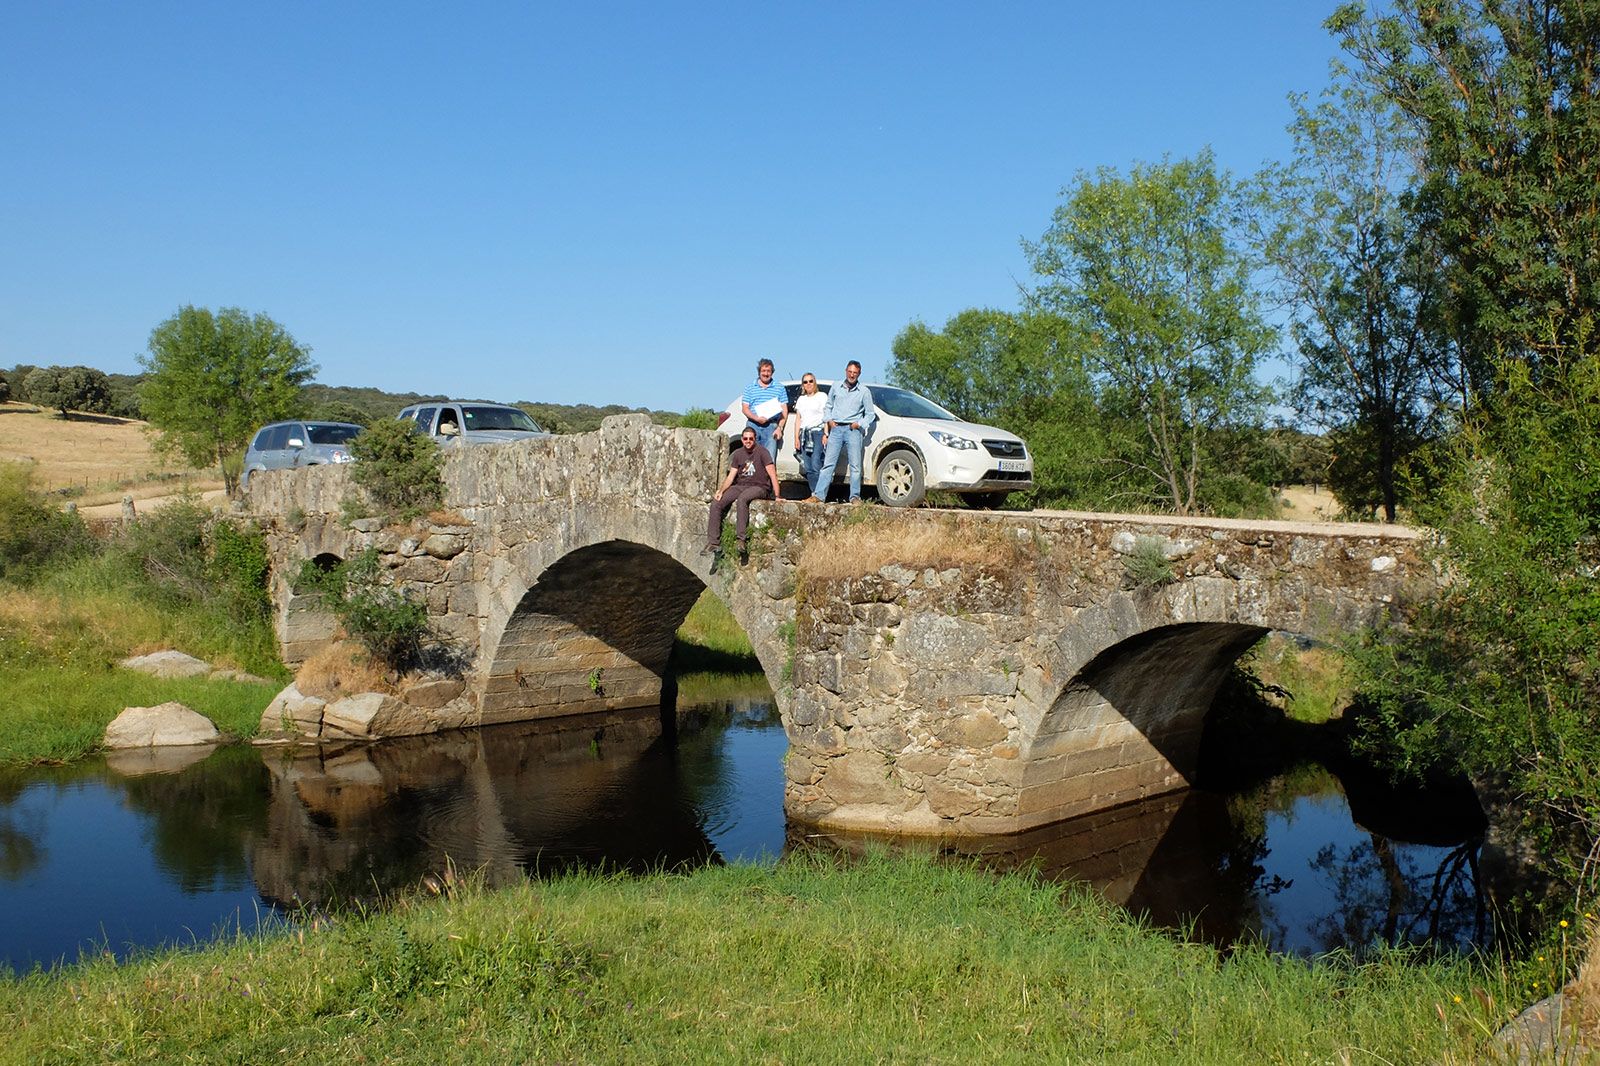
751	476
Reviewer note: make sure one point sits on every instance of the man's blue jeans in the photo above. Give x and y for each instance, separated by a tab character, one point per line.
852	441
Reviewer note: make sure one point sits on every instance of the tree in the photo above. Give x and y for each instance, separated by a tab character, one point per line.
1505	97
984	362
68	388
1148	269
214	378
1359	272
5	387
1499	674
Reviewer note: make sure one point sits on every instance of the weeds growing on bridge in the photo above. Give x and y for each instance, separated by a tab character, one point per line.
1147	565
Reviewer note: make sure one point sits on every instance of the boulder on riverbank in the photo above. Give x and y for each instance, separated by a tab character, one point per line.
168	724
167	664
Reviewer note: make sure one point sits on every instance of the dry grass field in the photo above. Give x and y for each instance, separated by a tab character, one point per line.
93	459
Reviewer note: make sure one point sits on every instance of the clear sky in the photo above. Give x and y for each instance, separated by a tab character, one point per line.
586	203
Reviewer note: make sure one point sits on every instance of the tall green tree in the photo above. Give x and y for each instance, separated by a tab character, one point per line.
1149	269
215	378
1506	98
1499	674
1360	273
1023	371
68	389
984	362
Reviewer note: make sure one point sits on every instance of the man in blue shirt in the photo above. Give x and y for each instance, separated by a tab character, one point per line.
846	421
759	410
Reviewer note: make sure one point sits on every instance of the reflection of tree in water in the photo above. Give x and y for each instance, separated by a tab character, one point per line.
1243	864
203	819
1386	895
19	835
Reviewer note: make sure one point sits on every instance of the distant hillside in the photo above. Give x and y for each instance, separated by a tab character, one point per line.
348	403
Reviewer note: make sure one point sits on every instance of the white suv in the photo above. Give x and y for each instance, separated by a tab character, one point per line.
915	445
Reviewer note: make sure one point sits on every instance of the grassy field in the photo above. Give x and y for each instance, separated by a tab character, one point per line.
886	960
93	459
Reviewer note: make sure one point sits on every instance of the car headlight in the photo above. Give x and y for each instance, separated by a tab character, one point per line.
950	440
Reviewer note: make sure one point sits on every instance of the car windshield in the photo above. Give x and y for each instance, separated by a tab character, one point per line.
498	418
331	434
903	404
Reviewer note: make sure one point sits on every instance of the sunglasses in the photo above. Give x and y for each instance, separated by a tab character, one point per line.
808	381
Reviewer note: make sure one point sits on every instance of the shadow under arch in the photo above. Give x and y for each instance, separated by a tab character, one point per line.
305	625
592	633
1128	725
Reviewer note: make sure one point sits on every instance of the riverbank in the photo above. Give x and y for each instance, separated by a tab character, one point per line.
889	959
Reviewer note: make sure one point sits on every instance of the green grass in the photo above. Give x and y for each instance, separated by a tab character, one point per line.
712	641
709	687
59	712
887	960
1317	680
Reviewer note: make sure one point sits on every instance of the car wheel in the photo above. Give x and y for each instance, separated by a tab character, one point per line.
244	478
900	479
984	501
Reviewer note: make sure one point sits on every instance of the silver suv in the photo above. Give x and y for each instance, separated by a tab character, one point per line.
468	422
284	445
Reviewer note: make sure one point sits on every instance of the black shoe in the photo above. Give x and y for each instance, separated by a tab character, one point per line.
744	555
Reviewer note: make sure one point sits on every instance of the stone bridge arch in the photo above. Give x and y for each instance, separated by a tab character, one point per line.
585	622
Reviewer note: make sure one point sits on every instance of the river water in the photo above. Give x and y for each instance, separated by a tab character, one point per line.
133	851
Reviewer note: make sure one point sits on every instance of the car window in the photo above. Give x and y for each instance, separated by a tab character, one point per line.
498	418
902	404
325	434
260	443
425	418
296	435
277	439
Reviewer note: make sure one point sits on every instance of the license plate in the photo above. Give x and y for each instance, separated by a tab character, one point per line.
1013	464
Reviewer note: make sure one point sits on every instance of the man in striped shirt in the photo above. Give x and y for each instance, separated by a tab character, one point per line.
766	405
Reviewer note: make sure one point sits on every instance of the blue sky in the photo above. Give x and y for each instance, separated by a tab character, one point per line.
597	203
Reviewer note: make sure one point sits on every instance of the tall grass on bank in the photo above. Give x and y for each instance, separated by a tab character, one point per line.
886	960
711	640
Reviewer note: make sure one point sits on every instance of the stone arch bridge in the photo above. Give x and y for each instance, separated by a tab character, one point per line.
937	672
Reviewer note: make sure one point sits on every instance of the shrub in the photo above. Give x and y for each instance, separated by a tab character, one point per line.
698	418
388	623
398	468
33	533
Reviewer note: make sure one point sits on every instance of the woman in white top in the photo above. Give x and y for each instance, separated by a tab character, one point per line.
810	434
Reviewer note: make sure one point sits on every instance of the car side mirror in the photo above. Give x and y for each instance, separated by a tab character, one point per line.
296	442
449	429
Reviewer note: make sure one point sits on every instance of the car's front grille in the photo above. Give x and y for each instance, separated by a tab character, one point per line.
1005	449
1008	475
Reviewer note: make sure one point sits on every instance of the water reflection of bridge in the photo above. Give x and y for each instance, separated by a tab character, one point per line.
347	823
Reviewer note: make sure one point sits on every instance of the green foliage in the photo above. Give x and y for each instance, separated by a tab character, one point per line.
1508	105
238	567
5	387
1148	270
1501	672
68	388
1359	268
340	411
215	378
398	467
1147	565
388	623
34	534
985	364
698	418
